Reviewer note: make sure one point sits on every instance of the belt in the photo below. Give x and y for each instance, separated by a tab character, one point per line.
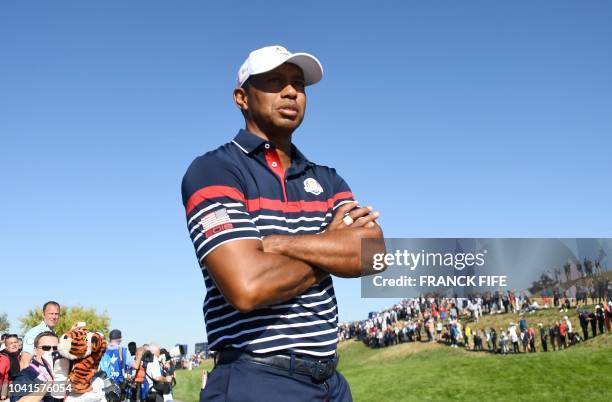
318	370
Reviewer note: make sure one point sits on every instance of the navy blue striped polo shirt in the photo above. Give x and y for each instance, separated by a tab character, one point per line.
241	191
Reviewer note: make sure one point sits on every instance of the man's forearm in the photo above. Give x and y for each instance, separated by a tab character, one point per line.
271	279
337	252
282	279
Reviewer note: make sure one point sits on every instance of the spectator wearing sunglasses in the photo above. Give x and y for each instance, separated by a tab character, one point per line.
31	382
51	314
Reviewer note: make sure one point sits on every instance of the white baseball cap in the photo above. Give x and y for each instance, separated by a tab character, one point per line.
269	57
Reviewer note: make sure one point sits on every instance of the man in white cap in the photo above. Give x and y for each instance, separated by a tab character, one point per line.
270	228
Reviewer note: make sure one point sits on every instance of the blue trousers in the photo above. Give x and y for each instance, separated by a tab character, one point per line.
245	381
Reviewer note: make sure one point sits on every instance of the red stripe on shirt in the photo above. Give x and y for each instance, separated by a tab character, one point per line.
210	192
256	204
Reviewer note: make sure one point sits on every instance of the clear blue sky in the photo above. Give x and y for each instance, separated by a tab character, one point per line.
453	118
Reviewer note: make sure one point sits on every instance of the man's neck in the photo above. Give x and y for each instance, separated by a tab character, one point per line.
282	141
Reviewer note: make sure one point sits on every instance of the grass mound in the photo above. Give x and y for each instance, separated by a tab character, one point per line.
434	372
579	373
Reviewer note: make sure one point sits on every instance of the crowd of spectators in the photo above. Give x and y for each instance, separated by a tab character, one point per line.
132	373
455	321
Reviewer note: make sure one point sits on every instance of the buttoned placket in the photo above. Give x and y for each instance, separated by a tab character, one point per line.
274	163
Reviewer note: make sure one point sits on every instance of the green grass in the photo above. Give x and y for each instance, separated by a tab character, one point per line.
404	373
189	383
434	372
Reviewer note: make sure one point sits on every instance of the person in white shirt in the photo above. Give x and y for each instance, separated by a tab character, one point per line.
514	337
570	329
154	372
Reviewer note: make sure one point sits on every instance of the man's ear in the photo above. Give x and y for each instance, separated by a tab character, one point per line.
241	99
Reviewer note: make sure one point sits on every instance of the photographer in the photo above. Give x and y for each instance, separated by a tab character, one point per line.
157	385
117	363
138	381
167	368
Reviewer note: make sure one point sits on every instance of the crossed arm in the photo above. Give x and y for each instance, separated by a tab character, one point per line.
252	274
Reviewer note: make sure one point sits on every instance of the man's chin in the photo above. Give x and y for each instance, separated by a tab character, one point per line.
288	123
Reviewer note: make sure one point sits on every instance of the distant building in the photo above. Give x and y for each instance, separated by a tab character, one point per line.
202	347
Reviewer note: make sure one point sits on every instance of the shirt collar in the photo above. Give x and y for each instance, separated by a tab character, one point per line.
38	366
298	156
249	143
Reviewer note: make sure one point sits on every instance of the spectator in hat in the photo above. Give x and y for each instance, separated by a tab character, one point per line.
117	362
513	337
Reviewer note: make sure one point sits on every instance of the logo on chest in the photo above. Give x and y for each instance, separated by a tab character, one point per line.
312	186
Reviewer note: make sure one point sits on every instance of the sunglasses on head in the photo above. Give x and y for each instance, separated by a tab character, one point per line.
47	348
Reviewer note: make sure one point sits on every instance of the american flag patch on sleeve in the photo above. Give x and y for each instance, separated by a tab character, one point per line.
215	222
